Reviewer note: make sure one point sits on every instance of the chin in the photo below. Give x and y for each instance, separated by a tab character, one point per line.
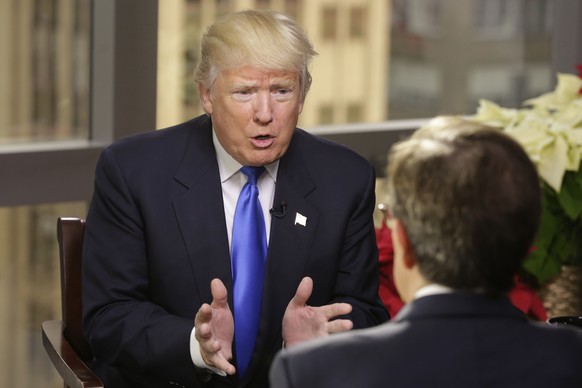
266	158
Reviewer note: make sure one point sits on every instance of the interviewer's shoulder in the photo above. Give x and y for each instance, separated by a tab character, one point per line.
563	337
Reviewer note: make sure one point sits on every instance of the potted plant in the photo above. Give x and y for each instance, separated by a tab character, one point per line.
549	127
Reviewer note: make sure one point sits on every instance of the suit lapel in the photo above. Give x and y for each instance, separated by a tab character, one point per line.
292	234
200	213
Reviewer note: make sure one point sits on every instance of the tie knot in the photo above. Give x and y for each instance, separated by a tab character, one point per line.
252	173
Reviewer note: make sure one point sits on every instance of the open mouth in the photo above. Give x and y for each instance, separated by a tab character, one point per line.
263	141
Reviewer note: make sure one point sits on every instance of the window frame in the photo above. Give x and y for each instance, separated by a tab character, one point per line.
123	102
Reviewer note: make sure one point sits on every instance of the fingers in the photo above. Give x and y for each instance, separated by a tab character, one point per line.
339	325
336	309
214	330
222	364
214	357
303	292
333	310
203	315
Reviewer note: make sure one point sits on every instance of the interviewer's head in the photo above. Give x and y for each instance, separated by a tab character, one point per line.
467	198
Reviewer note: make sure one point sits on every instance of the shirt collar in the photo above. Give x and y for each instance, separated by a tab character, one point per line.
432	289
228	166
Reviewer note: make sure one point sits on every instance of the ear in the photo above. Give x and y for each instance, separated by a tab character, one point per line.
205	98
401	235
300	109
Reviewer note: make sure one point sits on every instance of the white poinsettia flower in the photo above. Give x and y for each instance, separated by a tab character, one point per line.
494	115
566	91
549	128
571	114
553	162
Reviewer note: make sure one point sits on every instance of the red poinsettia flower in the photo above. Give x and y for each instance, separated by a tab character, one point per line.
579	67
527	300
522	296
387	291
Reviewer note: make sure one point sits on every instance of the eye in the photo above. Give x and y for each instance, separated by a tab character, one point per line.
243	94
283	93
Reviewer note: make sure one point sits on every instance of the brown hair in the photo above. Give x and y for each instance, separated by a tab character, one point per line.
469	198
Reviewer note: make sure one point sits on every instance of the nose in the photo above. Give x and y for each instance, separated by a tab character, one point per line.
263	113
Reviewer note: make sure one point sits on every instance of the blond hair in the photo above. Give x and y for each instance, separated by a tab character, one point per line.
259	38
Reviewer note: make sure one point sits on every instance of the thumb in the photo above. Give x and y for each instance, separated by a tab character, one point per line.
219	293
303	291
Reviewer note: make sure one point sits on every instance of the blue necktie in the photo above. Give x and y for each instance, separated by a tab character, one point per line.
249	252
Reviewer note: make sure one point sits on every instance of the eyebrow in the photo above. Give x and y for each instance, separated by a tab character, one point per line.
275	82
287	83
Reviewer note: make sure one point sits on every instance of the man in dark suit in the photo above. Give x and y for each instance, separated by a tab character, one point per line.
159	287
465	201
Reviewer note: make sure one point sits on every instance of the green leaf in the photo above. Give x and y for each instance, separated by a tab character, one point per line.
570	196
541	265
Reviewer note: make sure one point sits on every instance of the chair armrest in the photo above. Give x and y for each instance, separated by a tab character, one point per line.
75	373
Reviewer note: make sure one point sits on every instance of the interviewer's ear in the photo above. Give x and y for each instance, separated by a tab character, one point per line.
400	234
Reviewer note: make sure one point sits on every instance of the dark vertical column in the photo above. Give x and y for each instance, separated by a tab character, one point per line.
567	38
124	58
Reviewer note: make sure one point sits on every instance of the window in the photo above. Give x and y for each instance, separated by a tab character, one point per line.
326	114
538	18
329	23
223	7
423	16
423	59
29	290
355	113
292	8
50	143
477	49
358	22
497	19
45	66
262	4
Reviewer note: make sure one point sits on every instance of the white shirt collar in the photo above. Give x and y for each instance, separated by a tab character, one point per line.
432	289
228	166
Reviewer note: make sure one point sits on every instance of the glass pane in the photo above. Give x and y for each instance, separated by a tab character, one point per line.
30	290
44	70
446	54
390	59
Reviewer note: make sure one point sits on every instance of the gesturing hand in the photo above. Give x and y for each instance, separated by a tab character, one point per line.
302	322
215	329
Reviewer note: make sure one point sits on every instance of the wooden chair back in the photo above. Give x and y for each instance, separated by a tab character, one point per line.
63	340
70	234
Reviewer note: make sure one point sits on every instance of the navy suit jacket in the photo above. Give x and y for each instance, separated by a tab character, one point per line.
156	236
442	341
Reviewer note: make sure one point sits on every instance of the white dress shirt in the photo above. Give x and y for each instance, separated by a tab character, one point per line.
232	181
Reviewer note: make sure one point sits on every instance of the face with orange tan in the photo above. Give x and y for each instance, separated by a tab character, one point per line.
254	112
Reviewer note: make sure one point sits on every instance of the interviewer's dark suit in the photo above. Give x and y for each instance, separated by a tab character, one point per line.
156	236
449	340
